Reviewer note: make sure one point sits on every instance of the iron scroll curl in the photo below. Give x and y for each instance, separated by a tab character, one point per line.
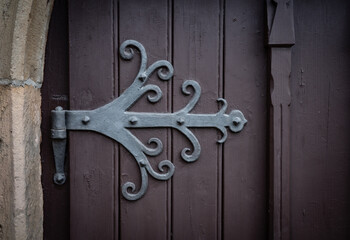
117	120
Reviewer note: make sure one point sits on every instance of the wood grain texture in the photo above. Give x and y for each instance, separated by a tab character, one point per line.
281	38
320	116
280	23
55	93
280	142
91	85
223	195
146	22
196	56
245	154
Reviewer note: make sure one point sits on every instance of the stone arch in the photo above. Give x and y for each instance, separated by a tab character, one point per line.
23	26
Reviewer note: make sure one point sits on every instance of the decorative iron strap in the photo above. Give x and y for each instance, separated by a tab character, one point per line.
114	120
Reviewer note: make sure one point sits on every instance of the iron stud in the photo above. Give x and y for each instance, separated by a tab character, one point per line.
236	121
142	163
86	120
142	77
180	121
133	120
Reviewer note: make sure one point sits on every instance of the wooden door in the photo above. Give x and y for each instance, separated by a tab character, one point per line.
220	45
224	194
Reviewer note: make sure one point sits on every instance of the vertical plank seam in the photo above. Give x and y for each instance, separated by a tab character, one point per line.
171	130
169	109
281	171
223	95
115	145
220	155
119	147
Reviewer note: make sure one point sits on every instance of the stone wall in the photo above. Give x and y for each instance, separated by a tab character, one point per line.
6	169
23	27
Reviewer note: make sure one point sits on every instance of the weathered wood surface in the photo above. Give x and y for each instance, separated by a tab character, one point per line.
280	40
146	22
196	56
55	92
181	32
224	193
92	156
280	143
191	35
245	154
320	116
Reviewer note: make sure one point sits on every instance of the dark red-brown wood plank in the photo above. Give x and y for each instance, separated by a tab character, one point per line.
196	54
146	22
281	38
91	85
320	116
55	93
245	154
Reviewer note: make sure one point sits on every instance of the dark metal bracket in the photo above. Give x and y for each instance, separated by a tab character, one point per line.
113	120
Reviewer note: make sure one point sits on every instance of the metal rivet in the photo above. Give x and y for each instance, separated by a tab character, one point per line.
114	120
133	120
85	120
236	121
142	163
142	77
180	121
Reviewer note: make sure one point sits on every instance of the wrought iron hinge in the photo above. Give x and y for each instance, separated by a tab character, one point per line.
113	120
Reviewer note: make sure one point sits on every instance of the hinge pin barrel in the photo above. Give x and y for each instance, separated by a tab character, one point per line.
59	141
